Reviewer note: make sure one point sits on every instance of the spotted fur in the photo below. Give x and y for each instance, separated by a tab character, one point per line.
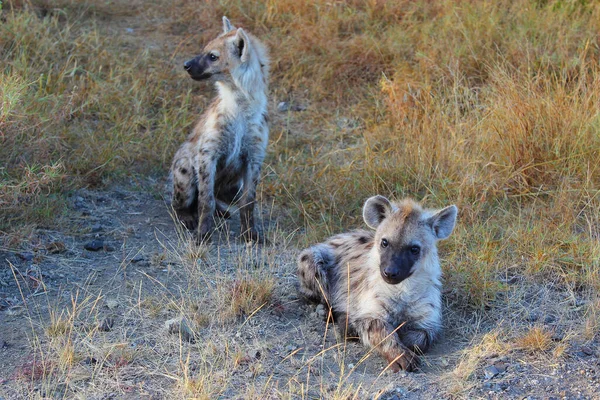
378	289
220	162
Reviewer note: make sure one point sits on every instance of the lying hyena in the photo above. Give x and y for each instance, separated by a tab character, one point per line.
220	162
383	286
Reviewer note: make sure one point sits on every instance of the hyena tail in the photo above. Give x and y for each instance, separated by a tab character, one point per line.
314	270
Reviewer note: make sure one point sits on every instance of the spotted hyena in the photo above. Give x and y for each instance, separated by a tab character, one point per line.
383	286
220	162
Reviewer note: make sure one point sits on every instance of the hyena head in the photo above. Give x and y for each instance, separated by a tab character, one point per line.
233	50
406	235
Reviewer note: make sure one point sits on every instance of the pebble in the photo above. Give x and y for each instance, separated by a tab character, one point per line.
501	367
137	258
106	324
79	202
97	228
550	319
490	372
532	317
284	106
321	311
290	348
112	304
587	351
94	245
181	327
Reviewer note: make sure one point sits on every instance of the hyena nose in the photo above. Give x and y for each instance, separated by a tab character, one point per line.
187	65
390	274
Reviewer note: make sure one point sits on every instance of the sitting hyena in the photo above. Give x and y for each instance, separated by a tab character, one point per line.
383	286
220	162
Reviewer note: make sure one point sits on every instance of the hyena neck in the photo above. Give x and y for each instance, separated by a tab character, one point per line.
231	95
250	81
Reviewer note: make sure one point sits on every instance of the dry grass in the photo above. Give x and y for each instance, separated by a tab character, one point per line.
491	105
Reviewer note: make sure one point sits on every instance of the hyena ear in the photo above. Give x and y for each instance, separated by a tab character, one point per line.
227	26
241	43
375	210
442	222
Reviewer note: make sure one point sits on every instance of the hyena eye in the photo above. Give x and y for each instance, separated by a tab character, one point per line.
415	250
213	57
384	243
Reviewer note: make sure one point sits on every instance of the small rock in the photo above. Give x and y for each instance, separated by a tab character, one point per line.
320	310
557	336
129	30
501	367
290	348
94	245
137	258
3	344
283	106
112	304
532	317
350	366
26	256
108	247
587	351
106	324
97	228
181	327
298	107
550	319
90	361
490	372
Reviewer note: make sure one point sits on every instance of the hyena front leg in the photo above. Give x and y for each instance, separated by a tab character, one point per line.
247	200
185	192
418	340
380	335
313	266
206	197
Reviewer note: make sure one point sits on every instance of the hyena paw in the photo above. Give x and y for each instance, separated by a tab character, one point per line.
408	361
188	220
205	230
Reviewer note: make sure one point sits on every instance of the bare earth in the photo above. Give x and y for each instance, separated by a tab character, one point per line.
137	281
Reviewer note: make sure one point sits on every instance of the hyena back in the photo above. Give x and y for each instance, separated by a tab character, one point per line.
384	285
220	162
